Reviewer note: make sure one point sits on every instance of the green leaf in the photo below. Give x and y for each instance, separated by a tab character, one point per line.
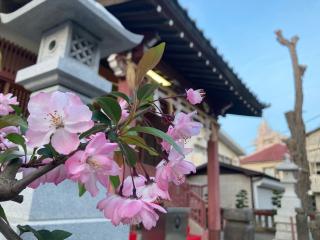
146	91
13	120
110	107
8	155
17	109
98	116
82	189
149	60
56	235
3	214
93	130
44	234
119	94
46	152
129	153
115	181
140	142
17	139
157	133
26	228
112	136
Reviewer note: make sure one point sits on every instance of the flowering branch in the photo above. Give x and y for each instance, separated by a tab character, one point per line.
72	141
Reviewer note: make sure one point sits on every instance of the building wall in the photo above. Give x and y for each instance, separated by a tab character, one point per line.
313	147
313	139
228	154
264	198
265	167
199	145
230	185
199	153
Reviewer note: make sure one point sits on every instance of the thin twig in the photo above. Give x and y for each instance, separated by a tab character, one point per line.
7	231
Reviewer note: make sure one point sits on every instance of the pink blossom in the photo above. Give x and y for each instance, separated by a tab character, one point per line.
5	101
195	96
146	189
165	145
127	189
94	164
59	116
56	175
124	110
4	142
184	126
173	169
130	211
152	192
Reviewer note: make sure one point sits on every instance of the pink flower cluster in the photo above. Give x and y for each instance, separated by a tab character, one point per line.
94	164
57	119
175	167
6	100
195	96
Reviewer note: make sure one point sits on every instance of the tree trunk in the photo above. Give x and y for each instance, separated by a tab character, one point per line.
297	143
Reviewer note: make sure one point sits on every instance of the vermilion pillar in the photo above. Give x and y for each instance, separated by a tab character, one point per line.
213	171
123	86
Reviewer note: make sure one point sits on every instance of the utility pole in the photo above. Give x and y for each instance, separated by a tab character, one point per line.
297	143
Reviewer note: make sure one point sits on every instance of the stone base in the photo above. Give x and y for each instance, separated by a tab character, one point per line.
93	229
239	224
284	229
60	207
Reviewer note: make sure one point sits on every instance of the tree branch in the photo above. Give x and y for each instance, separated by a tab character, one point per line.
24	182
10	188
302	68
281	39
7	231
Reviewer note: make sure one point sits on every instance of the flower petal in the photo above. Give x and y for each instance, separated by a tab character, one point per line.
64	142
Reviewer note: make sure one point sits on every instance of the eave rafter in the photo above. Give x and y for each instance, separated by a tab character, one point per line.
189	52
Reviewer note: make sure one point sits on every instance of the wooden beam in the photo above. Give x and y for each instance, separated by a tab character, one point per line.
112	2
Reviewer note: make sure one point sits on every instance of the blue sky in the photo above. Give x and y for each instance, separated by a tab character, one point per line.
243	31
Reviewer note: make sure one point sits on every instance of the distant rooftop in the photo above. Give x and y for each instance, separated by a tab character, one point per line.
275	152
226	168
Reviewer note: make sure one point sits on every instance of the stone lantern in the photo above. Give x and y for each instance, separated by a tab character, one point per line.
286	215
72	35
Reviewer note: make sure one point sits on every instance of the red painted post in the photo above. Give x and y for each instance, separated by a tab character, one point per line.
123	86
213	172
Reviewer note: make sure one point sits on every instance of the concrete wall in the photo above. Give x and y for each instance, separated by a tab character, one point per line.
264	198
230	185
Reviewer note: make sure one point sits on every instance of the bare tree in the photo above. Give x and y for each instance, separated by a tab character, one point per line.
297	143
